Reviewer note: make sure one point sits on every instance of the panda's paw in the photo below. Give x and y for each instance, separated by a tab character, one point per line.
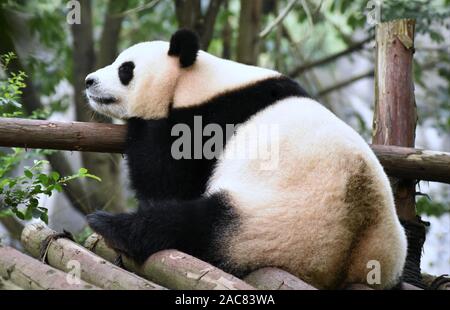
112	227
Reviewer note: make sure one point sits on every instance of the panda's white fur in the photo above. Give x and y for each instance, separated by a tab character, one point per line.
301	207
324	215
162	81
212	76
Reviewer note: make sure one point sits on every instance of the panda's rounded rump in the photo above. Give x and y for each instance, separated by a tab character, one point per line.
310	211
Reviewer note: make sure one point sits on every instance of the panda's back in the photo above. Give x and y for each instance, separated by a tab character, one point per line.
317	198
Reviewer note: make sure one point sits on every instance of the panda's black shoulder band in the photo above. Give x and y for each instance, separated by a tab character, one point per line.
184	44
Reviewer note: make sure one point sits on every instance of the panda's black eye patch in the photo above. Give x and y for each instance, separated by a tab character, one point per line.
126	72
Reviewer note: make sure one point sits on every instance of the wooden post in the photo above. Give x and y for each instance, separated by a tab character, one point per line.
395	108
395	121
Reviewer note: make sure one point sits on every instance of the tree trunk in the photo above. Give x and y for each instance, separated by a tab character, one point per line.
209	19
227	34
249	27
109	40
173	269
38	239
31	274
189	15
108	195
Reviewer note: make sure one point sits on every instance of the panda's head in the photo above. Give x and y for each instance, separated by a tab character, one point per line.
141	81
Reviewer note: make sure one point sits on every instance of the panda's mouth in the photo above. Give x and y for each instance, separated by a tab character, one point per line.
103	100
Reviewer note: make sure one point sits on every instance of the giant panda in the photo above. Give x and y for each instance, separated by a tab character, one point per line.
324	212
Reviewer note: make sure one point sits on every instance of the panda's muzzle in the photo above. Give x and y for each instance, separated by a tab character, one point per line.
103	100
91	83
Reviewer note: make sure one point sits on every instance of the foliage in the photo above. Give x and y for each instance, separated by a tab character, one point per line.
426	206
19	194
10	89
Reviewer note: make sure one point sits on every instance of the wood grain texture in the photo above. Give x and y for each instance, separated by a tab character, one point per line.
94	269
270	278
395	114
70	136
29	273
173	269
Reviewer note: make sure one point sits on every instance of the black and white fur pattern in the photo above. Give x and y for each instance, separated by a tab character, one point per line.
323	214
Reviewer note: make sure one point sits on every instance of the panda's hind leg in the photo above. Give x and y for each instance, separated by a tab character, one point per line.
190	226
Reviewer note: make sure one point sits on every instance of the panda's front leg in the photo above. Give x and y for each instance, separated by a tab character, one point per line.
136	235
188	226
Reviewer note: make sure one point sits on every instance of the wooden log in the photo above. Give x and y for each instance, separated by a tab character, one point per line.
358	287
410	163
270	278
181	271
70	136
407	163
63	253
7	285
29	273
395	114
409	287
174	269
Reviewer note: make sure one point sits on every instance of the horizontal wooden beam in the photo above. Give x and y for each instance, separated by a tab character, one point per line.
172	269
68	136
411	163
403	162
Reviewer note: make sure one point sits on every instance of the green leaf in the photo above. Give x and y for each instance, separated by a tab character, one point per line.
28	215
44	218
82	171
36	213
28	173
36	190
43	178
55	175
33	203
20	215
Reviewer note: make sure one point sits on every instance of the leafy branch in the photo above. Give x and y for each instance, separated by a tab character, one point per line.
19	195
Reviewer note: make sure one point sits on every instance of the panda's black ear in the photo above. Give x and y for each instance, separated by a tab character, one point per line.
185	45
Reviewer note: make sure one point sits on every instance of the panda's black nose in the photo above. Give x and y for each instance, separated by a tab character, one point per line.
90	81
